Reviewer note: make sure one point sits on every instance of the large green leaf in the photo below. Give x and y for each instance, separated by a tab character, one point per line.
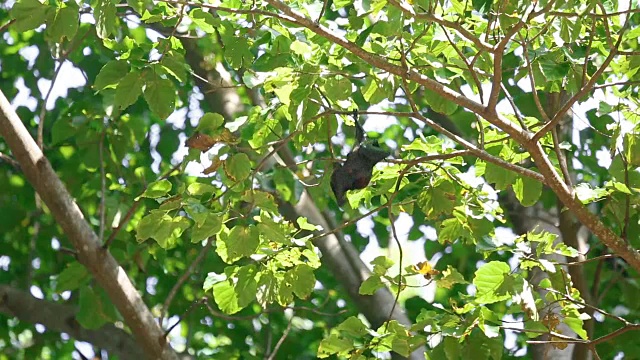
160	94
242	241
29	14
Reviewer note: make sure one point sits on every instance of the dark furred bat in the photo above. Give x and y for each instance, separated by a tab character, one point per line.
356	172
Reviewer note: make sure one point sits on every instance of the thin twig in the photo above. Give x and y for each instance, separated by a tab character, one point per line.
595	287
324	8
11	161
587	305
588	52
483	155
473	73
43	109
627	206
400	255
509	98
174	290
597	258
462	32
532	81
197	302
585	89
596	15
103	187
133	208
279	343
618	332
4	27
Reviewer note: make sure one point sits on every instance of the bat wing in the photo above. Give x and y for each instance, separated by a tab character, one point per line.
338	183
373	153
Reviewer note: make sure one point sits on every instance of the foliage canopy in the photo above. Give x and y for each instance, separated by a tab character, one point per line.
199	148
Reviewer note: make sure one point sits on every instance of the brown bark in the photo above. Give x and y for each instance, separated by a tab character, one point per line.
62	318
90	253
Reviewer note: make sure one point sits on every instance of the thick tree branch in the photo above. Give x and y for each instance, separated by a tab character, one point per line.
62	318
97	260
546	168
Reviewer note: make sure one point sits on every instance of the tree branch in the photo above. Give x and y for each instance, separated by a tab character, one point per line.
546	168
62	318
98	261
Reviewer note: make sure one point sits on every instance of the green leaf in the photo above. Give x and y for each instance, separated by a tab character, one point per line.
212	279
427	145
262	200
284	293
285	184
527	190
104	14
553	70
156	189
272	231
304	224
620	187
333	345
237	51
338	88
313	259
238	167
489	279
373	92
175	65
381	265
211	225
439	103
242	241
93	310
437	200
129	89
162	228
110	74
482	6
499	176
450	277
537	329
452	348
64	23
161	96
401	346
29	14
496	347
226	297
450	230
300	48
209	123
247	286
204	20
72	277
302	280
198	189
353	327
586	194
577	325
371	285
267	288
62	129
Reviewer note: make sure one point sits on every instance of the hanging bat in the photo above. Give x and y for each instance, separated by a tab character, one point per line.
356	172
